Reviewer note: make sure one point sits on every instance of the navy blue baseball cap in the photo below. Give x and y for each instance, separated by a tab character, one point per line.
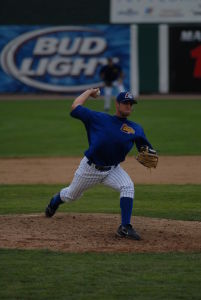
126	97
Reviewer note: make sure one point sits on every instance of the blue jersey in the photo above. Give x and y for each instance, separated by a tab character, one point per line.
110	137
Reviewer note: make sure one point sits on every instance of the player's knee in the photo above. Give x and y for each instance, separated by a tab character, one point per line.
67	195
127	190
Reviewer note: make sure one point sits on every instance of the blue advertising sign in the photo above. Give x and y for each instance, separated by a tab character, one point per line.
61	59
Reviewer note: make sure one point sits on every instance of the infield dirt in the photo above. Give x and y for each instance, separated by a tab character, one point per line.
170	170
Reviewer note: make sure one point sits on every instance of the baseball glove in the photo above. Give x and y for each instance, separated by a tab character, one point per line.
147	157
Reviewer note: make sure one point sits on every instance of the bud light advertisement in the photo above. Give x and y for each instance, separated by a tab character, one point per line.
61	59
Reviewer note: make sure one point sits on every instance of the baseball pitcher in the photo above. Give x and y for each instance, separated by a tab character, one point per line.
110	138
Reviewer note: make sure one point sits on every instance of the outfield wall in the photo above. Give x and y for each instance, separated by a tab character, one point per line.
67	59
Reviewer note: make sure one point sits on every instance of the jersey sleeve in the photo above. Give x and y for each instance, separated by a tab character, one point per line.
82	113
142	140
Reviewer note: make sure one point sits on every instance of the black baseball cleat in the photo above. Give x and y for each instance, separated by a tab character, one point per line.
53	205
127	231
50	211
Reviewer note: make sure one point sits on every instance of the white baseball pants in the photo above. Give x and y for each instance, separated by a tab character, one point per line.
88	176
108	93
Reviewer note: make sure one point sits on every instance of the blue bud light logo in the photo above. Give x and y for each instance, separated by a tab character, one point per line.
56	59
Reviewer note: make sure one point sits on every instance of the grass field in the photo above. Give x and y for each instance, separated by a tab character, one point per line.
46	275
159	201
44	128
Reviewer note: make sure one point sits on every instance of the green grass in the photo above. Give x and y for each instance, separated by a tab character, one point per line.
45	128
179	202
43	275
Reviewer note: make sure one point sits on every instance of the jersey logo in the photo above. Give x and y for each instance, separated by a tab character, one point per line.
125	128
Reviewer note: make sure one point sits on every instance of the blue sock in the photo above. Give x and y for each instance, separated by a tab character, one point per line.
126	205
56	201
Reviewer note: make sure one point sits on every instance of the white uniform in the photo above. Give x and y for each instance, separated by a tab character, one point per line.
87	176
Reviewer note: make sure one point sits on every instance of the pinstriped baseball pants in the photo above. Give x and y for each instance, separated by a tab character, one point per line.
88	176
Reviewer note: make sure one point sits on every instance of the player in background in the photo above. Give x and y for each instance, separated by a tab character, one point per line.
110	139
112	76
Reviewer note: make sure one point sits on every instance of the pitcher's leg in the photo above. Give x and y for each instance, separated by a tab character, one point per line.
84	178
53	205
77	187
118	179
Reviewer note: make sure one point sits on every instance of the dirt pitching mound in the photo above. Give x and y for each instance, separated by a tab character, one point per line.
96	233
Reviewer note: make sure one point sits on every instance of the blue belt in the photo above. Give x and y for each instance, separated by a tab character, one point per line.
99	168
